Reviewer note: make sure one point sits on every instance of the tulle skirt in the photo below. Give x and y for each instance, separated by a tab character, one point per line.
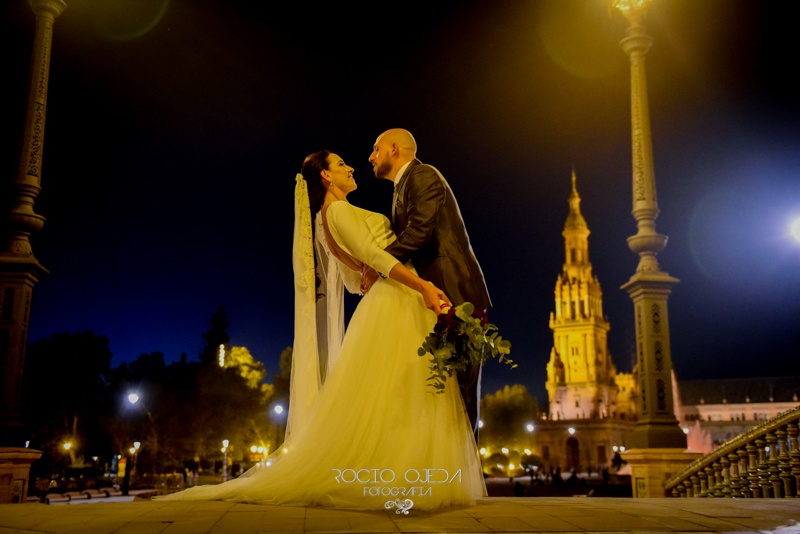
378	436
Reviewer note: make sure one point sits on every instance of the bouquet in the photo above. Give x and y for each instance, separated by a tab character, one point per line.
462	336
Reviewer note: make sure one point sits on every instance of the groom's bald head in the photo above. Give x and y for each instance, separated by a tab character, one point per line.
403	139
392	149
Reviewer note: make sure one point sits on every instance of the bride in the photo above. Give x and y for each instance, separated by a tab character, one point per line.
364	432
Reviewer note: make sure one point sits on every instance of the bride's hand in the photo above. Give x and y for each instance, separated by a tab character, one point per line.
368	277
435	299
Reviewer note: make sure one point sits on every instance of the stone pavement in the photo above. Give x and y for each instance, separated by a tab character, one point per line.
491	514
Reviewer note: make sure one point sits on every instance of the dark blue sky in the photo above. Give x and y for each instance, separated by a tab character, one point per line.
171	149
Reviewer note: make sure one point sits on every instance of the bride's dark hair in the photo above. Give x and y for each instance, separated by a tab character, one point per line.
311	170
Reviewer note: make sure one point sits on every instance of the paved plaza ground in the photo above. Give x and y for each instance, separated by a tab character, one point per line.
493	514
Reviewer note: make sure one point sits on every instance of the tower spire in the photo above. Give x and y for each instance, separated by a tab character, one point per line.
580	375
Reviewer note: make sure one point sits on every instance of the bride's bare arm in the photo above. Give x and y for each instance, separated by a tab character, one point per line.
432	295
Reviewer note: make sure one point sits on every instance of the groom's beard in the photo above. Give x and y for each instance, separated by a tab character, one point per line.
383	169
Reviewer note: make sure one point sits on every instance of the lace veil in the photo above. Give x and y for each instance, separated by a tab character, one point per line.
318	308
305	377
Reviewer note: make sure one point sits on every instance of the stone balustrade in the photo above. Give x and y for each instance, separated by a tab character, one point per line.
761	463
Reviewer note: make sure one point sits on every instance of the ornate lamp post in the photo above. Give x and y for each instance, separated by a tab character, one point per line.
657	442
126	476
225	444
135	452
152	445
278	419
19	268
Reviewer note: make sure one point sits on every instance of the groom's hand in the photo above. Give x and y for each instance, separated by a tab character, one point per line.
368	277
435	299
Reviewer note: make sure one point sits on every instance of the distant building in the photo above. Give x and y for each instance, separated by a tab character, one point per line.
593	408
712	412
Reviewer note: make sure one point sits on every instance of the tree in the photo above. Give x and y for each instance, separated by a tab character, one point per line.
230	410
66	396
216	335
505	414
143	420
148	368
253	371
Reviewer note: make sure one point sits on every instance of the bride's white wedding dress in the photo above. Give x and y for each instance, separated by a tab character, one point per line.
377	433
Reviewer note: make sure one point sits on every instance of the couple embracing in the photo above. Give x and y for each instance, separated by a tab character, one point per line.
364	430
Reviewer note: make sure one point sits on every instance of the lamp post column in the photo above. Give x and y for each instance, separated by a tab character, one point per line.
19	269
657	444
126	476
225	444
649	287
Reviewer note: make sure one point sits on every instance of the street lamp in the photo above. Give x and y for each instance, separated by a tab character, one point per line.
225	444
649	287
70	451
277	417
135	453
134	399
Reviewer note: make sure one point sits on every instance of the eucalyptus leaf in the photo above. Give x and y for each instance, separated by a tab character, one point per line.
462	337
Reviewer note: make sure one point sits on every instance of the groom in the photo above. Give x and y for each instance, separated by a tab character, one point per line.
430	233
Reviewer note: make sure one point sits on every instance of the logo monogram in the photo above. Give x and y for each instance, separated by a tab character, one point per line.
402	506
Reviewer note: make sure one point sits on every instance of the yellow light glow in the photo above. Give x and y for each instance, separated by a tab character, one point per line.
67	446
505	450
527	451
253	449
627	5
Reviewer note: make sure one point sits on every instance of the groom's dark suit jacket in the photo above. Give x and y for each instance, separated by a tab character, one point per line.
431	233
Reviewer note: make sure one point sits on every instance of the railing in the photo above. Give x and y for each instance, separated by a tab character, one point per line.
762	462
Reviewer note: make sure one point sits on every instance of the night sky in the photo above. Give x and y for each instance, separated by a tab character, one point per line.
175	129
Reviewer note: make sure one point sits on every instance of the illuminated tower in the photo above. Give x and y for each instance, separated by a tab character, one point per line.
580	375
